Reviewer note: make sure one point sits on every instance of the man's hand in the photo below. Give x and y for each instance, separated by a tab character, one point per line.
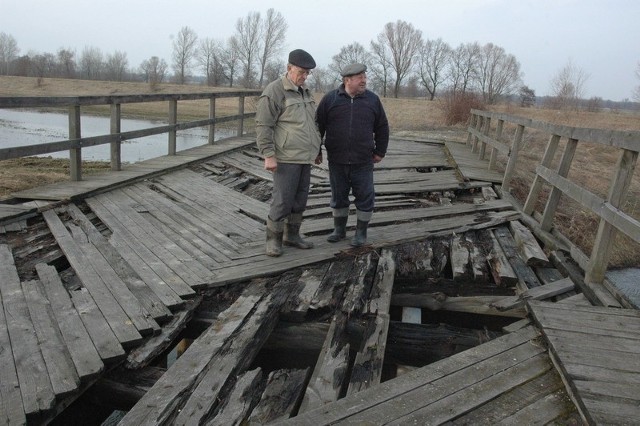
270	164
319	159
377	158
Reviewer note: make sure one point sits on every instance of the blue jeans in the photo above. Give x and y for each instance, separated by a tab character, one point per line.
357	178
290	190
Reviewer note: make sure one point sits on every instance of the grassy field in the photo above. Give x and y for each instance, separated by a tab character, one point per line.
592	166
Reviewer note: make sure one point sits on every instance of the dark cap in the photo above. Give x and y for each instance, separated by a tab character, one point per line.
353	69
301	59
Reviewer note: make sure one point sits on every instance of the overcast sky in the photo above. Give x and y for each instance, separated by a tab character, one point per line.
600	37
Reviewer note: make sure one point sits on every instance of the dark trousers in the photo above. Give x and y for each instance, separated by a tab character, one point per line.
290	190
357	178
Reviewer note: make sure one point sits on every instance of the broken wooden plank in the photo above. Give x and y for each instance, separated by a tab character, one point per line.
60	368
35	387
117	318
526	277
310	280
538	293
500	268
84	355
241	401
528	245
367	367
281	396
482	305
144	354
11	408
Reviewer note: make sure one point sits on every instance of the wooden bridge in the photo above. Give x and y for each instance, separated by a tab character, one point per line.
146	291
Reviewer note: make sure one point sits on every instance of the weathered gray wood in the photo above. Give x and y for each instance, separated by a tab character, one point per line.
102	336
145	353
11	408
158	404
526	277
359	285
329	374
35	387
499	267
241	401
281	396
310	280
236	354
379	299
60	368
78	343
147	298
367	367
483	305
528	246
537	293
123	237
117	318
374	400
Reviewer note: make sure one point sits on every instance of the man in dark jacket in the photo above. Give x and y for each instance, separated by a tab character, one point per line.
355	129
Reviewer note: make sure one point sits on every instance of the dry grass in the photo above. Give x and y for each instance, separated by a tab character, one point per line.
592	166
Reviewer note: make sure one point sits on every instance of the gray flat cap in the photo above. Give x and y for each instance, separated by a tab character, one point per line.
353	69
301	59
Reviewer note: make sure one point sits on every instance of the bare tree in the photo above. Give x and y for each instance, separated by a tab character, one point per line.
381	69
499	73
355	52
463	67
403	41
66	63
115	67
42	65
154	70
184	51
432	63
230	59
210	58
274	31
246	42
527	96
567	86
8	52
91	63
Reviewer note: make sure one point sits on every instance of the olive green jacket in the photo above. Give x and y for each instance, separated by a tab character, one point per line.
285	123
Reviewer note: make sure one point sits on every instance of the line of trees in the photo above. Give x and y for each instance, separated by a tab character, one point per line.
400	63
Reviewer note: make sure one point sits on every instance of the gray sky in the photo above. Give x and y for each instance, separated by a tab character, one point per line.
600	37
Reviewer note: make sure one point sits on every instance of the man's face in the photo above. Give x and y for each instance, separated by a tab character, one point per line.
298	75
356	84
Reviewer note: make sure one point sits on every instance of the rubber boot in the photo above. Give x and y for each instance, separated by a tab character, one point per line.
274	237
361	234
340	229
292	232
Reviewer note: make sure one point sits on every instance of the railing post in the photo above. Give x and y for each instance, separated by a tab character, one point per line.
620	182
241	114
212	116
479	123
472	125
75	154
513	157
173	120
116	146
483	145
494	151
554	197
536	187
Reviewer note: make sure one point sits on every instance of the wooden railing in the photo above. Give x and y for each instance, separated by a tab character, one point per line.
484	124
76	142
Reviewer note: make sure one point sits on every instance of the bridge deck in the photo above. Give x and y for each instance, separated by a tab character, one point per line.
96	288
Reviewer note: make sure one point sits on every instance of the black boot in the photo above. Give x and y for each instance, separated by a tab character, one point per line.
292	232
274	237
361	234
340	229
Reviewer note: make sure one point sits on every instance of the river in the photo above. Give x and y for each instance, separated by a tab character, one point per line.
22	128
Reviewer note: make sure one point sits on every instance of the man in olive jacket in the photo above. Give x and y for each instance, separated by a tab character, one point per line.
289	141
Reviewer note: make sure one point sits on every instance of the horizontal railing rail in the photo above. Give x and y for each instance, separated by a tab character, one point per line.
76	142
483	136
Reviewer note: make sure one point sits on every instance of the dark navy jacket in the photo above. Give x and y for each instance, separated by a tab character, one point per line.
353	128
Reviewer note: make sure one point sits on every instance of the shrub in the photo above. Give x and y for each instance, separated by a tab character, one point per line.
457	106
